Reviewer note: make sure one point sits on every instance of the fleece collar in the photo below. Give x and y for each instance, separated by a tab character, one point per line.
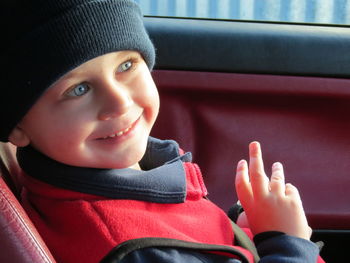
162	179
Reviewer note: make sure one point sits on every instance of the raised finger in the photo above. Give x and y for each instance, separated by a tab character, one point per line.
243	187
258	178
277	182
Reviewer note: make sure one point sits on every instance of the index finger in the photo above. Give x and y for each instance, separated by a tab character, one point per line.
258	178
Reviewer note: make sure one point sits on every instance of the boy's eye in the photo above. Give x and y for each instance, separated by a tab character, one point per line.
125	66
79	90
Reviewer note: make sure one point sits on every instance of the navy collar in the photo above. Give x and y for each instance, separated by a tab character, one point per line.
162	179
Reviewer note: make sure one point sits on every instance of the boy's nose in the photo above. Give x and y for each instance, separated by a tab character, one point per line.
115	102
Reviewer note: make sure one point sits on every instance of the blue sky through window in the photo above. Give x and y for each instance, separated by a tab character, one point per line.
309	11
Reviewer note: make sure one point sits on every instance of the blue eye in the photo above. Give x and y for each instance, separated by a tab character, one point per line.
125	66
79	90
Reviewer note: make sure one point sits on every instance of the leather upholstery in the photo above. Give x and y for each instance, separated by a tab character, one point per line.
20	241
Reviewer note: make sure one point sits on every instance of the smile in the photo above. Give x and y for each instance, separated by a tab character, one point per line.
118	134
122	132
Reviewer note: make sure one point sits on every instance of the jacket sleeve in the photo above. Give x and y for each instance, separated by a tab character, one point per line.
277	247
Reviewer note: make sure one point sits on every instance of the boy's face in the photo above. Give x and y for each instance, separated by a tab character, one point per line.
98	115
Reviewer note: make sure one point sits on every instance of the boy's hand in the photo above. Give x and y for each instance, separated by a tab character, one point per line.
270	205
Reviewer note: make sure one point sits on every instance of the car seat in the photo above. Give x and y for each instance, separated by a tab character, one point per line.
20	241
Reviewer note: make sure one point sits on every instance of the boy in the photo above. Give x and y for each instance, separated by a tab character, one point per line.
95	184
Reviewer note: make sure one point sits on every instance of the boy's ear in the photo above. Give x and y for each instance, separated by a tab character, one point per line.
18	137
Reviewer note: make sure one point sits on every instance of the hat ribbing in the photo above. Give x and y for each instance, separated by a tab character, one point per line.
48	38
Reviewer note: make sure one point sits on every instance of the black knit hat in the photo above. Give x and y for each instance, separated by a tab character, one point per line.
44	39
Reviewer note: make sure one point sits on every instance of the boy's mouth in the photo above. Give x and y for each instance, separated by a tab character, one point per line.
122	132
118	134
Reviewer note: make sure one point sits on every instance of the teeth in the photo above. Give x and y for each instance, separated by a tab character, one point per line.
117	134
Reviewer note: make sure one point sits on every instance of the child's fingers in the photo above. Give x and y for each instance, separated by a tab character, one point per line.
258	179
243	187
277	183
292	191
293	194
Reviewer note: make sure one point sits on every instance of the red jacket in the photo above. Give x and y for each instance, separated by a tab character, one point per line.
84	228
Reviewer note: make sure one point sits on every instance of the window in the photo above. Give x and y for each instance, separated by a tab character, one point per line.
299	11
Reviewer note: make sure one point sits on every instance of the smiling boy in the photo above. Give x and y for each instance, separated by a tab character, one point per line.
95	184
98	115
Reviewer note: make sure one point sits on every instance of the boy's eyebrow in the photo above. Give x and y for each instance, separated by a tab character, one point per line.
118	56
74	73
64	79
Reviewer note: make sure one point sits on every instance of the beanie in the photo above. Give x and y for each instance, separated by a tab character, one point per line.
44	39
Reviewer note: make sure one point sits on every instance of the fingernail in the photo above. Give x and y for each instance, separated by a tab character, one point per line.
254	144
241	163
254	149
277	165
